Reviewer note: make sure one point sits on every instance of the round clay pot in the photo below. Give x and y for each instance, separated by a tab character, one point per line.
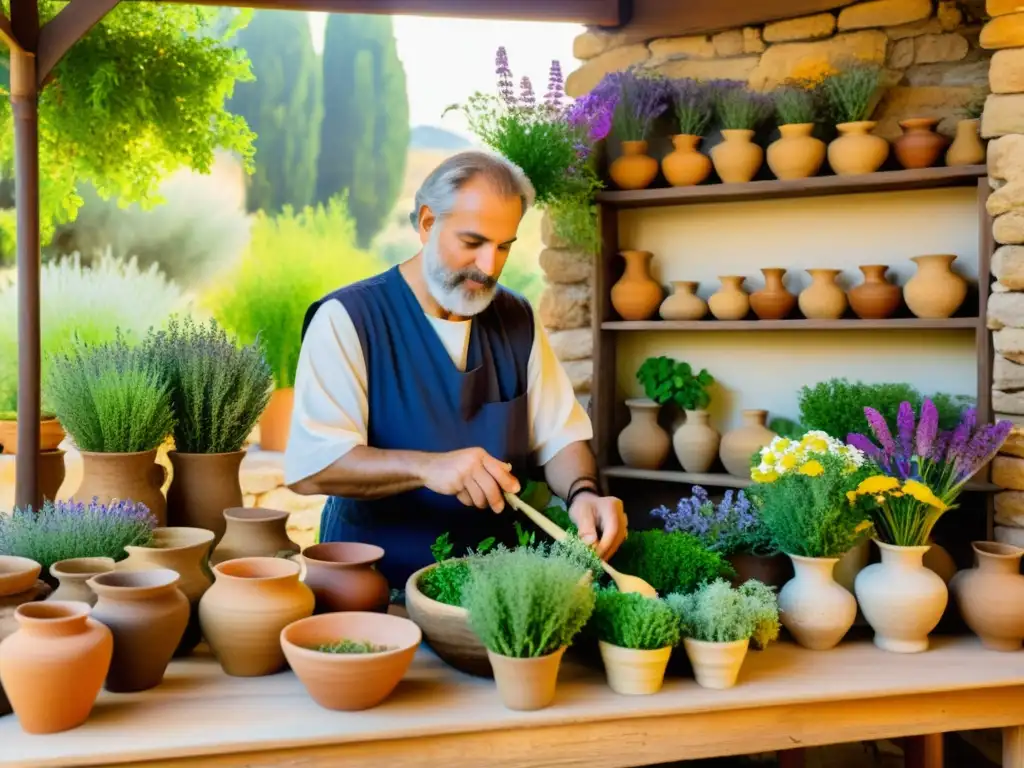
901	599
202	487
51	435
643	444
17	574
823	299
343	577
990	596
716	665
633	672
774	570
938	560
118	476
350	681
696	442
967	147
252	599
634	169
857	150
53	666
684	303
730	302
935	291
919	146
796	154
875	298
739	444
147	614
51	473
253	532
685	166
851	563
276	420
737	159
816	610
773	302
73	575
526	684
636	295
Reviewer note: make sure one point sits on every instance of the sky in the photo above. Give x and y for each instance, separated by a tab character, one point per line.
448	59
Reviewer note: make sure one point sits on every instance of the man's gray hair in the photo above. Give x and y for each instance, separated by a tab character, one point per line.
440	188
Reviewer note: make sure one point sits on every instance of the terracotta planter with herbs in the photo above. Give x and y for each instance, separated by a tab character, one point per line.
634	168
857	151
135	476
686	165
796	154
737	159
276	420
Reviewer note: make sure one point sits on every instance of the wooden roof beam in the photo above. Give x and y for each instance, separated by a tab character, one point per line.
65	29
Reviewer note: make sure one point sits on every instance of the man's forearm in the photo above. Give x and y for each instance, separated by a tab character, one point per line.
367	473
573	462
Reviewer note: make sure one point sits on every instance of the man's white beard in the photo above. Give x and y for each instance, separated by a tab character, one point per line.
446	286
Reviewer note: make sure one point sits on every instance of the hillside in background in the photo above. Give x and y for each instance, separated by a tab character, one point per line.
432	137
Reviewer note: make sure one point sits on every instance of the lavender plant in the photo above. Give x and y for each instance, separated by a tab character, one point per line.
630	620
850	93
67	529
731	526
795	105
694	106
738	108
642	98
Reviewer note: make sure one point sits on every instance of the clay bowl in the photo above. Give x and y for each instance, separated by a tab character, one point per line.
350	681
446	629
17	574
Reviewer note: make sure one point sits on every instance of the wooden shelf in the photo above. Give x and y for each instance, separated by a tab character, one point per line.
905	323
883	181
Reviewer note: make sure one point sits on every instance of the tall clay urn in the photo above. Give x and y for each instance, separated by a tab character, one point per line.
122	476
967	147
253	532
344	577
773	302
644	444
636	295
202	487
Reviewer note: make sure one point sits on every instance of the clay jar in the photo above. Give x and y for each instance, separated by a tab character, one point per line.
147	614
526	684
740	444
696	442
796	154
935	291
17	574
857	150
716	665
990	596
135	476
253	532
730	302
634	671
684	303
875	298
636	295
343	577
643	444
252	599
737	159
773	302
634	169
685	166
823	299
52	667
202	487
967	147
919	146
73	575
816	610
276	420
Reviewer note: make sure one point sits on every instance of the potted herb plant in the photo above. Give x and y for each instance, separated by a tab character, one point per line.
967	147
670	562
719	621
693	108
740	113
51	457
640	98
796	154
850	95
636	635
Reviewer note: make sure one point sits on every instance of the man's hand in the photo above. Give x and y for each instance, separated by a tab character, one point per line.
601	520
472	475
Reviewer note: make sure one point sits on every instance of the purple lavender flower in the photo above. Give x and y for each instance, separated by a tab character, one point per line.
731	526
880	430
694	106
556	87
927	429
504	73
905	426
527	98
981	448
863	443
643	98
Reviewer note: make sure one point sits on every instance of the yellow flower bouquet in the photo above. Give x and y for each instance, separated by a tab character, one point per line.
904	511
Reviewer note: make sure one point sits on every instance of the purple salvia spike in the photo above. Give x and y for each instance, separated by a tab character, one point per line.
501	69
527	98
880	430
927	428
863	443
905	427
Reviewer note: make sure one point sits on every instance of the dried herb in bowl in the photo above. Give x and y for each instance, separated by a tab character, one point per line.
352	646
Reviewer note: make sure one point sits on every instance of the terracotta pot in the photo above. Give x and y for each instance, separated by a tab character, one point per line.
935	291
446	629
716	665
185	551
147	614
875	298
202	487
696	442
350	681
731	301
739	444
967	147
774	570
796	154
990	596
919	146
252	599
73	576
901	599
633	672
773	302
51	474
823	299
816	610
40	590
634	169
737	159
684	303
526	684
685	166
636	295
276	420
119	476
51	435
938	560
852	563
643	444
17	574
253	532
53	666
857	150
343	577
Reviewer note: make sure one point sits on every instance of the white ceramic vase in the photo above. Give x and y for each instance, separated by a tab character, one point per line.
813	606
716	665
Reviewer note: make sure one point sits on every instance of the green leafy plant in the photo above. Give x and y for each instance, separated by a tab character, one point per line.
795	105
975	105
576	551
719	613
694	106
788	428
352	646
445	582
850	93
630	620
669	562
738	108
668	381
524	605
575	222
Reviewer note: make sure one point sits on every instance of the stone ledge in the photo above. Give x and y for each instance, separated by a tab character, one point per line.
1003	32
884	13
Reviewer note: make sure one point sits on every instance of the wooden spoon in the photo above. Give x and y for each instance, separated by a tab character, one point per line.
624	582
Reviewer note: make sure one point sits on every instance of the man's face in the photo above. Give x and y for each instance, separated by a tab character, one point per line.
464	253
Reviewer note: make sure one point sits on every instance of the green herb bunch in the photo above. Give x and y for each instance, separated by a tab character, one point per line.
796	105
445	582
668	381
738	108
719	613
352	646
577	552
974	105
524	605
669	562
630	620
111	398
850	93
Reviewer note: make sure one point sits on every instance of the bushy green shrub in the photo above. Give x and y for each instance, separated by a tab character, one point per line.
718	613
630	620
669	562
445	582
